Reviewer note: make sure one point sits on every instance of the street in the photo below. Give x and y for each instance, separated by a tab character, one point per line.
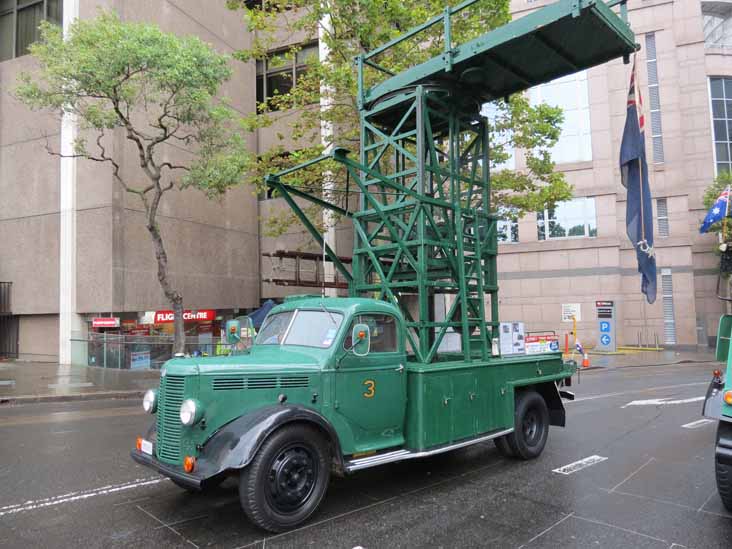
641	474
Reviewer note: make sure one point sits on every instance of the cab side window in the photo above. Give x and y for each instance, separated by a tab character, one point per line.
383	330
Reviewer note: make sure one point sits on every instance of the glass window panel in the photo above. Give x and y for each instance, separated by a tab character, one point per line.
718	108
307	53
314	329
729	129
383	332
720	130
54	11
652	73
722	151
6	37
729	108
728	88
279	83
279	61
656	123
722	167
6	5
260	66
260	89
717	88
27	31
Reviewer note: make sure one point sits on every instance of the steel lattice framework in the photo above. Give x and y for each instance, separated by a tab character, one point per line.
423	228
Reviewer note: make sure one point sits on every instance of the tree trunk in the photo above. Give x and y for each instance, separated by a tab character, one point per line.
173	296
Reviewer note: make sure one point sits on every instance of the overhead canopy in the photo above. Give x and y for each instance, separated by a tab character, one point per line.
559	39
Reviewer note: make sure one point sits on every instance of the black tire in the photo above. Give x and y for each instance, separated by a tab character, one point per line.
724	477
210	485
287	479
504	448
531	426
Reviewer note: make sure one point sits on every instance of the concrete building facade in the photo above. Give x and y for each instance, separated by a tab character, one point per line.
68	229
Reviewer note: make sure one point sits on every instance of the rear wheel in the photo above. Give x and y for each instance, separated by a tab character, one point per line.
724	477
531	426
287	479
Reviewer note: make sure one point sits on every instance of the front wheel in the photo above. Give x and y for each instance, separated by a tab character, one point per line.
287	479
724	477
531	426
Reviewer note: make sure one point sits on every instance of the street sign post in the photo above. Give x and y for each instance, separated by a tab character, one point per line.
606	324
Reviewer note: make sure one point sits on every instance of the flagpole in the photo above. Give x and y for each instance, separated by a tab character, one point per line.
724	220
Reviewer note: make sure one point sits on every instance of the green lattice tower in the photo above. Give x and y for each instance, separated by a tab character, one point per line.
423	227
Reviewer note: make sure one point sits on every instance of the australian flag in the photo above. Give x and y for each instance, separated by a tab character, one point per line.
717	212
634	175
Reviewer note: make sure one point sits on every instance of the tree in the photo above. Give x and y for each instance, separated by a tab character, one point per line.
350	28
160	91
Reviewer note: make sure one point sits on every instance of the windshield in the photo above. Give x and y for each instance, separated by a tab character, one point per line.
309	328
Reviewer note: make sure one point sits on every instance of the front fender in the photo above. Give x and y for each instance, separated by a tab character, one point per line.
235	444
713	402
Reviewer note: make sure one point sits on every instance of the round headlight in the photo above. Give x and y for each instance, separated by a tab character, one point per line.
190	412
150	401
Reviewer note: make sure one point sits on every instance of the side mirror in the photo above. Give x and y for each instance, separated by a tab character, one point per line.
361	337
233	331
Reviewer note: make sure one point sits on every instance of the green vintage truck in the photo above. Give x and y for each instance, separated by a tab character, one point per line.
346	383
718	406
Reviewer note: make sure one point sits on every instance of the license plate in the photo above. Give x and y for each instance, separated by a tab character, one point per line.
146	447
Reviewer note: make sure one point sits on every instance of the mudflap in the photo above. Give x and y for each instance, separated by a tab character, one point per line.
713	402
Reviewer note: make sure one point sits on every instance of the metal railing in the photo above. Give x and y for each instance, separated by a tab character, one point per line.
126	352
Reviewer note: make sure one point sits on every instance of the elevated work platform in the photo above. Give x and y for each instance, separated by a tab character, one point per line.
556	40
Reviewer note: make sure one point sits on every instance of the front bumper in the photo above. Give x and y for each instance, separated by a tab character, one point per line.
171	471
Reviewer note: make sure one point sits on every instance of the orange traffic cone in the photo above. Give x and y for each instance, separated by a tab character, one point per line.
586	361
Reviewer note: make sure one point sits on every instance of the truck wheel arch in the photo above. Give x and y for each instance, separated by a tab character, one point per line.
235	444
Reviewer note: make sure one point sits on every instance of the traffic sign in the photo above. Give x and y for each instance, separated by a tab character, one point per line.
605	339
604	326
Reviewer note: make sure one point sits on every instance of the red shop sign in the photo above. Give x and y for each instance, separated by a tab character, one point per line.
202	315
105	322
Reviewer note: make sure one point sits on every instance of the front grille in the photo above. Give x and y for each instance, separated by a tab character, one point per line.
230	383
170	397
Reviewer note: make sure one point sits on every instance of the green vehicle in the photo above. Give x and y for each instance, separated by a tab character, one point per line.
340	384
718	406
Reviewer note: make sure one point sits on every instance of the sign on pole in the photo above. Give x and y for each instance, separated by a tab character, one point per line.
571	311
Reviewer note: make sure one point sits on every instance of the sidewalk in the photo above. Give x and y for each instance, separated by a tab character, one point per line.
23	382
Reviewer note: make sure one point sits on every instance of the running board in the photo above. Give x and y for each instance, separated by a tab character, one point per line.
401	455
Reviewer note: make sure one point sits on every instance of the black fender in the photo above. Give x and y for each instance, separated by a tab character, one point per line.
550	392
723	450
235	444
713	402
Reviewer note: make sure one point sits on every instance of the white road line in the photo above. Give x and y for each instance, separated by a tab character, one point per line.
663	401
619	528
631	475
537	536
579	465
76	496
698	423
634	391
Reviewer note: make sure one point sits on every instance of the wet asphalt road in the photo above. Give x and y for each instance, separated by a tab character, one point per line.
66	481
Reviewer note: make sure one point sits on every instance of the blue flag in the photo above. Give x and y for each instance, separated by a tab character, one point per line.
634	174
717	212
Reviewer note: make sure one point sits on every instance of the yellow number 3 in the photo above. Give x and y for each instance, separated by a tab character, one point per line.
370	388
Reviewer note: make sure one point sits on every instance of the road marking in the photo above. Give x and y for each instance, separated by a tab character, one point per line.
698	423
634	391
30	505
579	465
662	401
631	475
593	521
537	536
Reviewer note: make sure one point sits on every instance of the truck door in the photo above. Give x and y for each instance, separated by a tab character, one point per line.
371	390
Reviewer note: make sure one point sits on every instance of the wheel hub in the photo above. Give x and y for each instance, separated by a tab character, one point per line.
292	478
530	427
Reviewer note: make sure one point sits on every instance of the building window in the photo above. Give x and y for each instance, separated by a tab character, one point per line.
19	20
507	230
662	216
277	73
571	95
717	24
571	219
721	92
654	99
669	322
